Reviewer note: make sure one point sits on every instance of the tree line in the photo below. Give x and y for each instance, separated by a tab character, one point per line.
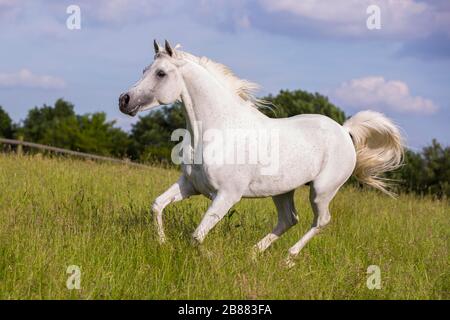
424	172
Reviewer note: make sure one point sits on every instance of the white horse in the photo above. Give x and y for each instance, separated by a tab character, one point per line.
310	148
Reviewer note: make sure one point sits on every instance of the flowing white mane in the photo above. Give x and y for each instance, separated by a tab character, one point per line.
243	88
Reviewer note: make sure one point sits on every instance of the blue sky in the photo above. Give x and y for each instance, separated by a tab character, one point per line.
402	69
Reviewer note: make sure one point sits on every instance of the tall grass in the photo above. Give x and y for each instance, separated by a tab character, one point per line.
60	212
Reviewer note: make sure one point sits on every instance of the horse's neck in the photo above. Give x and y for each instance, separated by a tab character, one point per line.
207	101
208	105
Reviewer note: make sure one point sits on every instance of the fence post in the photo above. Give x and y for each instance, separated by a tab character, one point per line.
19	146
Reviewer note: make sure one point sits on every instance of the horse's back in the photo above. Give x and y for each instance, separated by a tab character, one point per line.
313	119
326	137
308	145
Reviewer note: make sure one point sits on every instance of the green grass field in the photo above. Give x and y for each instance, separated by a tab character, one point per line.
60	212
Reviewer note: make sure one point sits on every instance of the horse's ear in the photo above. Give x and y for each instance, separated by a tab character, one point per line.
156	46
168	48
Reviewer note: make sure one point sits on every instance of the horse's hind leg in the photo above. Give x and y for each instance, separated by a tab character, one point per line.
287	217
321	194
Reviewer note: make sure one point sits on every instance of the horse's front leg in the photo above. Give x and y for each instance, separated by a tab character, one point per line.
180	190
222	202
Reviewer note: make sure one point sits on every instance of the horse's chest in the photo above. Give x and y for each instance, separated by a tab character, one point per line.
198	177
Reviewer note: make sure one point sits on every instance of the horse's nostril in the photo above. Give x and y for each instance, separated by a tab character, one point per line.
124	99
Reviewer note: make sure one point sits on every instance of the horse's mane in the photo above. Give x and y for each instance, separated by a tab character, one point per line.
244	89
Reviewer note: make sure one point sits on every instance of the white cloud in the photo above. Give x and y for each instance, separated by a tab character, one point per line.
43	17
25	78
380	94
120	11
404	18
401	19
8	9
8	3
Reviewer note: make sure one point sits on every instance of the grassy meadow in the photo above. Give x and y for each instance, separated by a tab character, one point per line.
57	212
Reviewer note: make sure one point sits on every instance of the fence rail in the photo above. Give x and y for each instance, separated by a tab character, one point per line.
21	143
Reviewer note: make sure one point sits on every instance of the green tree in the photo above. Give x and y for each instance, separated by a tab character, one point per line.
51	125
59	126
151	134
6	125
436	161
425	172
290	103
97	135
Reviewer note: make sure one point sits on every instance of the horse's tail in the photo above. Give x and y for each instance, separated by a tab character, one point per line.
379	147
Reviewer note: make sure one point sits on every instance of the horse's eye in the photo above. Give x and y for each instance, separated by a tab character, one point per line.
161	74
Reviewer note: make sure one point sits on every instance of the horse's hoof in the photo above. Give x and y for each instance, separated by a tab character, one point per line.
289	262
195	242
255	252
162	240
161	237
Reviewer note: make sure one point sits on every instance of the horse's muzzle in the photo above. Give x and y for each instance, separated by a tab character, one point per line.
124	101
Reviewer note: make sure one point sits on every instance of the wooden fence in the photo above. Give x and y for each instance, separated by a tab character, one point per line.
21	143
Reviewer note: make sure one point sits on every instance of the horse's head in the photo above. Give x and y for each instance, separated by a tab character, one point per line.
160	84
